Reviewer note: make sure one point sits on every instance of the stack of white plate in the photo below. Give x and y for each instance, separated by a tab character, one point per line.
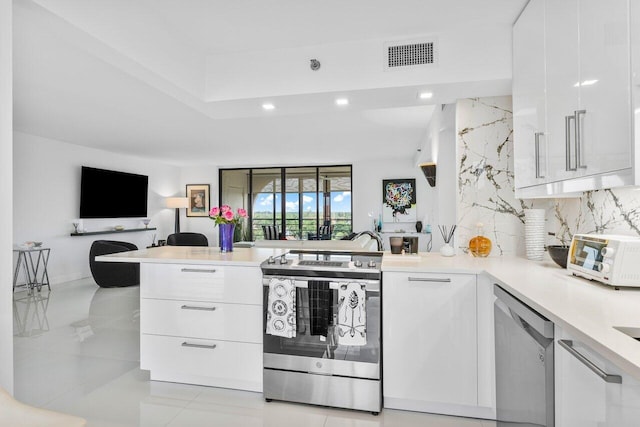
534	233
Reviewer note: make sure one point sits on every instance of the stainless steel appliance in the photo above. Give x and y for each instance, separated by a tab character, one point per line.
524	364
322	368
610	259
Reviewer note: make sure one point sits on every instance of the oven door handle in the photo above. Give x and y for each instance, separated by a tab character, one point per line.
368	285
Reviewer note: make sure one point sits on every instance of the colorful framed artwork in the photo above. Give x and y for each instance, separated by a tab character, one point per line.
198	195
399	200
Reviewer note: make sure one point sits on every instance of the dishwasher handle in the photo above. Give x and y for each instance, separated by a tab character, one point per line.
609	378
535	321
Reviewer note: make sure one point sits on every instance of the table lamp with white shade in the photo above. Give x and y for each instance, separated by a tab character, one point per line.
177	203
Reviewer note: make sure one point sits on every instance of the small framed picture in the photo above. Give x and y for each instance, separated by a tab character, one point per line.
198	195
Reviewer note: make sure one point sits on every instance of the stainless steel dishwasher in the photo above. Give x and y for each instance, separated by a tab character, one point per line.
524	364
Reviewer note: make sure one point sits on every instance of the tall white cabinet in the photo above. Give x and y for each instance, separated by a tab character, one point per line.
572	125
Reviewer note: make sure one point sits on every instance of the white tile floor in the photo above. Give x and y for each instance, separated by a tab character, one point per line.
77	351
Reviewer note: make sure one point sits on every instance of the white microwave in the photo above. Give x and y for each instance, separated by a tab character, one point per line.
610	259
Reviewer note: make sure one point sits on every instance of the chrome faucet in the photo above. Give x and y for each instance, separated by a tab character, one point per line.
373	235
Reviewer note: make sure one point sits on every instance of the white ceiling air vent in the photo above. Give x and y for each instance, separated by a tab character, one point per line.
412	53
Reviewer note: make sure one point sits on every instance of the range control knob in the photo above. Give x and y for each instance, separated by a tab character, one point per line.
271	260
603	268
607	251
283	260
371	263
357	263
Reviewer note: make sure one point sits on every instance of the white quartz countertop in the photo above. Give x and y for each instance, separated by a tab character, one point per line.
194	255
586	309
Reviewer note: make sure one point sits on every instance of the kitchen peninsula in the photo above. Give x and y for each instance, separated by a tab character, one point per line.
201	314
201	318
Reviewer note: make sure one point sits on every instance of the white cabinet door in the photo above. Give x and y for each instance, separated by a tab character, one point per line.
583	397
563	74
430	342
529	98
588	87
580	394
605	92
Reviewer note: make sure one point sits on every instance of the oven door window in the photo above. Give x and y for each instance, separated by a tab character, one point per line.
308	343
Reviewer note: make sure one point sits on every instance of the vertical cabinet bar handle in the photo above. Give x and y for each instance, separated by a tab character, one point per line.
537	153
577	123
609	378
567	140
208	347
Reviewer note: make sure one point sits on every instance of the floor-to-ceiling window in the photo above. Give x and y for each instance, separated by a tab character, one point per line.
298	200
336	190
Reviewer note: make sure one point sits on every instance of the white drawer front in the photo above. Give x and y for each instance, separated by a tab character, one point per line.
223	363
209	320
241	285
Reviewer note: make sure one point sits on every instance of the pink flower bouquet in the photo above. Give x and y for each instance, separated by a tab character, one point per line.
224	215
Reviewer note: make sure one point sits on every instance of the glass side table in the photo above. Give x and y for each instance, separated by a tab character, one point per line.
33	262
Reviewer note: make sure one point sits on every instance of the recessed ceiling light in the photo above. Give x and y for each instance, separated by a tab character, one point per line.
425	95
342	101
268	106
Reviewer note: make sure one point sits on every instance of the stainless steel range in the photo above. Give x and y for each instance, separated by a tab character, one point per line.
322	328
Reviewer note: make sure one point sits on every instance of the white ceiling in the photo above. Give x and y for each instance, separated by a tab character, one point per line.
243	25
72	81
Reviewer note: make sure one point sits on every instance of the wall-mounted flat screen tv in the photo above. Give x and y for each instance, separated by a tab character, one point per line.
112	194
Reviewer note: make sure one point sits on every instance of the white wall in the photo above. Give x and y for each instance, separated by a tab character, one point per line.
200	175
46	175
6	179
367	191
439	147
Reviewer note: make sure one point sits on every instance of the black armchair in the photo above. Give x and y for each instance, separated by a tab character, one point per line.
324	232
187	239
113	274
271	232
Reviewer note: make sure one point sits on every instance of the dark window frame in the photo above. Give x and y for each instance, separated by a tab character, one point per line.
323	195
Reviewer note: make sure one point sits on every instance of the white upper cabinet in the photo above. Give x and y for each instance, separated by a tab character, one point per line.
604	87
585	139
529	101
562	62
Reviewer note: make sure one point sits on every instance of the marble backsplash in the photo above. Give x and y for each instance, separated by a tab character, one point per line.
484	128
612	211
485	193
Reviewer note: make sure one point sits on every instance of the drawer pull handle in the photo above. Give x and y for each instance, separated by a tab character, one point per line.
193	307
208	347
426	279
198	270
609	378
